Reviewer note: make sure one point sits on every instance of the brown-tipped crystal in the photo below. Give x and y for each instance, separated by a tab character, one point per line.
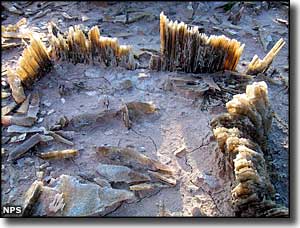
260	66
61	154
252	191
77	47
185	49
34	62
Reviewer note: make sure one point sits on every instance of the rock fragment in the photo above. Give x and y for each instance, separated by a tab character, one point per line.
132	158
146	186
24	106
21	149
117	173
166	178
181	152
15	86
31	197
8	108
79	199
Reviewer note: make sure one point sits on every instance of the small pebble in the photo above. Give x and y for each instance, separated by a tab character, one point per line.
47	179
181	152
20	163
40	120
4	84
50	112
109	132
106	144
91	93
3	152
49	169
142	149
28	161
46	103
196	212
39	175
43	166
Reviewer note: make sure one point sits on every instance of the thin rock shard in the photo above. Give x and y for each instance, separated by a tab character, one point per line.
20	150
78	199
16	87
31	197
130	157
17	120
118	173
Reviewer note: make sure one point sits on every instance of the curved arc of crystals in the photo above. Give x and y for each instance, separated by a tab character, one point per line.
75	46
252	193
34	61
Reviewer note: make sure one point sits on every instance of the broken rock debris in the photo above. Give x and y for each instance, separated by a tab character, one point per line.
23	148
130	157
69	197
140	162
31	197
15	85
118	173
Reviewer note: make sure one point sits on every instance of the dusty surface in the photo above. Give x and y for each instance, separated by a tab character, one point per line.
179	121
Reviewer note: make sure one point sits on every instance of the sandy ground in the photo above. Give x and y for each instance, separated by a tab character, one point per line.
179	122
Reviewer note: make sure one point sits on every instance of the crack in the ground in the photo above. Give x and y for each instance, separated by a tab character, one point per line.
202	143
212	198
197	148
146	136
149	196
73	160
114	209
188	163
280	121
